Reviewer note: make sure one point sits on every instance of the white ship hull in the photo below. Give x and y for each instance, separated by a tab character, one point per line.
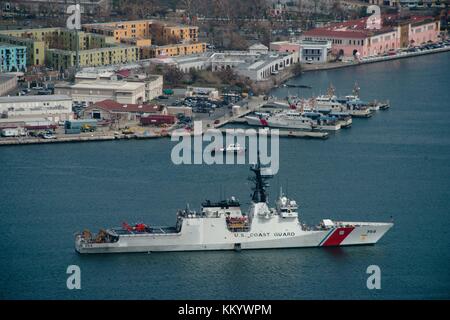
346	123
212	234
278	123
363	113
329	127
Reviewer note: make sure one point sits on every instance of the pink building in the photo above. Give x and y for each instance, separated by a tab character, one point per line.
422	30
351	37
284	46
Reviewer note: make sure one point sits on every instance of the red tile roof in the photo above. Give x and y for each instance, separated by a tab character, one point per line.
337	34
124	73
120	107
357	29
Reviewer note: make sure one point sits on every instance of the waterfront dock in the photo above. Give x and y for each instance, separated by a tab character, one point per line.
293	133
402	55
73	139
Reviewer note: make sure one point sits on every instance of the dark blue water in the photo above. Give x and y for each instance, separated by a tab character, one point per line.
397	163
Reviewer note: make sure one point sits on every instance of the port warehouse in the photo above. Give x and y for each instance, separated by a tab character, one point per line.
112	110
91	92
153	83
104	44
51	107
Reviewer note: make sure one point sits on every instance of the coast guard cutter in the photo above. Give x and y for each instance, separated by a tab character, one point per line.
223	226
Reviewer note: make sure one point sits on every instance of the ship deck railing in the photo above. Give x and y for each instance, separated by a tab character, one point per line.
151	230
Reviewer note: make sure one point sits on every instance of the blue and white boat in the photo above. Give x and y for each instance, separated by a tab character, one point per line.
323	122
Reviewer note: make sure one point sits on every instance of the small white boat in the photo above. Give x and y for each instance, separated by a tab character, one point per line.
231	148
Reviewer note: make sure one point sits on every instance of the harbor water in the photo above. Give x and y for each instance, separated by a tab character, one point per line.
395	164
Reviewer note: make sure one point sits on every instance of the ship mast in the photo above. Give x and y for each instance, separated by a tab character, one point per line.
259	191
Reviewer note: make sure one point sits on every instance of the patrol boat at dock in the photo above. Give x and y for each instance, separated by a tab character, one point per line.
223	226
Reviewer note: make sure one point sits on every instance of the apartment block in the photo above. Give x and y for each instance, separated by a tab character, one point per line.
172	50
12	58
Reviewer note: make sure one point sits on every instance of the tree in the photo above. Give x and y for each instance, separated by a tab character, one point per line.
173	76
297	69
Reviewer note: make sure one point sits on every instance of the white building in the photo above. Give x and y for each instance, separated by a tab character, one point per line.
192	62
231	59
266	66
153	85
93	91
258	48
94	76
314	51
51	107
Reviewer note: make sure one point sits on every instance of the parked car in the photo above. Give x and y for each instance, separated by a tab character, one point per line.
49	136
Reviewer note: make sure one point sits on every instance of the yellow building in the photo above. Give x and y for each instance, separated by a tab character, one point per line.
138	42
180	33
145	29
104	43
65	59
172	50
121	30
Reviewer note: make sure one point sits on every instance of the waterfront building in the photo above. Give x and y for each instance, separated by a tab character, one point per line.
8	82
253	65
314	51
153	83
12	58
354	38
51	107
112	110
421	30
264	66
93	91
308	51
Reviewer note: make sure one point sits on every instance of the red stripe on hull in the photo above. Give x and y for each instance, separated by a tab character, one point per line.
338	236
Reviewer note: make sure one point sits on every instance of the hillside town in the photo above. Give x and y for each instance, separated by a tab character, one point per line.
147	70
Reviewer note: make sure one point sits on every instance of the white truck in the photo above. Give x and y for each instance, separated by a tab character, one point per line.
13	132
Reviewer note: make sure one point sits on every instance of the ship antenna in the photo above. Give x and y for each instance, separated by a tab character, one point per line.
259	191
